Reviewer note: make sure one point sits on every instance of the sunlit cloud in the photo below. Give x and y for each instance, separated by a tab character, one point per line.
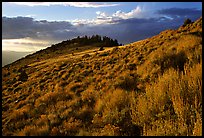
29	15
74	4
24	45
104	18
93	22
132	14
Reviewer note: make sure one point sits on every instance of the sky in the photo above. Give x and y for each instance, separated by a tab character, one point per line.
31	26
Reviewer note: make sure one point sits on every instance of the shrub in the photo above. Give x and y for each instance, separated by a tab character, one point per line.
104	54
71	127
172	105
85	113
54	119
132	66
86	56
51	98
22	76
197	131
101	49
110	130
77	88
55	131
187	21
175	60
126	82
35	131
113	106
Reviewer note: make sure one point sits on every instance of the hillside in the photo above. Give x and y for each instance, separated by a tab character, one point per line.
150	87
75	45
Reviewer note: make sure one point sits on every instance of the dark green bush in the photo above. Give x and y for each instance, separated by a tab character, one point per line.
187	21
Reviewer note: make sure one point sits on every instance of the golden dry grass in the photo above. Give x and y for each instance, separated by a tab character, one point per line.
152	87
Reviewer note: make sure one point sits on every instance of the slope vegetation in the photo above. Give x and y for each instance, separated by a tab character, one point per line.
151	87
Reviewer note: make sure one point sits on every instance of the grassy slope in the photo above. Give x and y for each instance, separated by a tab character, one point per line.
150	87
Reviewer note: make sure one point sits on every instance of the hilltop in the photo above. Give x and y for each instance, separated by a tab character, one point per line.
75	45
150	87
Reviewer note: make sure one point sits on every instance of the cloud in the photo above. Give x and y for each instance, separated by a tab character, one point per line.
132	27
139	13
104	18
180	12
74	4
22	27
24	44
132	14
101	15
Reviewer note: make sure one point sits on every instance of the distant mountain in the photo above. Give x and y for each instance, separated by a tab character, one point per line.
11	56
151	87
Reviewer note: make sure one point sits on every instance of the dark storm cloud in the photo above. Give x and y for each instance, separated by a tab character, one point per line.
21	27
16	27
131	30
182	12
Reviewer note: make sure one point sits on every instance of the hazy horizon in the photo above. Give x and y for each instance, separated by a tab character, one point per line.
11	56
